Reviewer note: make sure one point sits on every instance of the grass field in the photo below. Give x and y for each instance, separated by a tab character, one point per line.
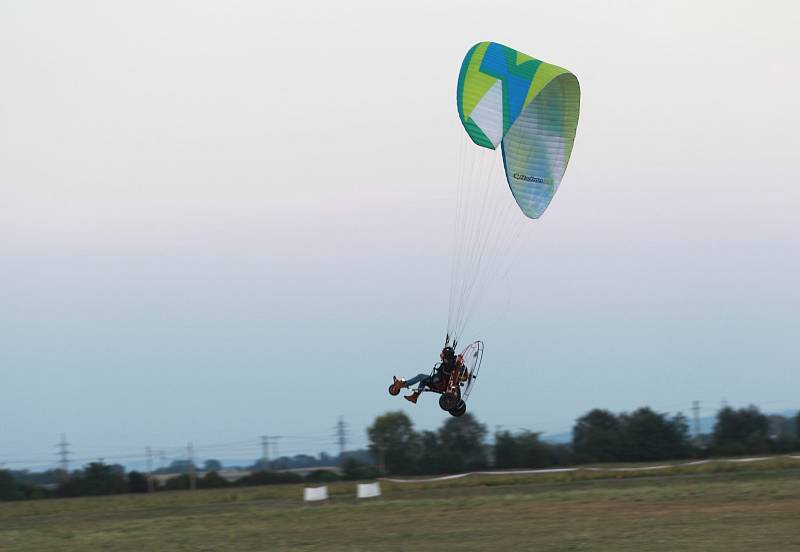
746	508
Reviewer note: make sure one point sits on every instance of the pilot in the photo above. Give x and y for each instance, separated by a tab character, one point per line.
444	369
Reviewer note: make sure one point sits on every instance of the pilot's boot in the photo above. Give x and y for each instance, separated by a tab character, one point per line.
396	386
413	396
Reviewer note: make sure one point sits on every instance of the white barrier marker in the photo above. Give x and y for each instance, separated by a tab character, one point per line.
368	490
311	494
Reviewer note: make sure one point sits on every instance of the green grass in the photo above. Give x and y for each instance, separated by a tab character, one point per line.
752	507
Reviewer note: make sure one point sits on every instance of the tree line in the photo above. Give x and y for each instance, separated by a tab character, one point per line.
458	445
644	435
98	478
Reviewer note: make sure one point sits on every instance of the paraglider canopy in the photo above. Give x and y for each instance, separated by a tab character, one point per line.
530	107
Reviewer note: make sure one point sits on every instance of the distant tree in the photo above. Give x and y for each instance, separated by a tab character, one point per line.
212	465
353	469
523	450
597	437
289	462
8	486
282	463
267	477
47	477
178	483
560	454
137	482
11	489
741	431
177	466
362	455
797	429
434	457
70	487
102	479
392	435
95	479
647	435
780	426
465	436
304	461
212	480
782	433
508	452
535	453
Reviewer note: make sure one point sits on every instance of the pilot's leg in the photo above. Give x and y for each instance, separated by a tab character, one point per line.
422	379
419	378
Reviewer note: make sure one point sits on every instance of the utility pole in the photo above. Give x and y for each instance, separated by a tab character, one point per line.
265	451
696	419
341	437
149	454
63	454
192	472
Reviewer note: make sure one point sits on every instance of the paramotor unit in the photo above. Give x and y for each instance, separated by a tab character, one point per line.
453	381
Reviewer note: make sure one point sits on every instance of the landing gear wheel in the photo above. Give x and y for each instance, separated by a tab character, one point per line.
448	401
396	386
459	409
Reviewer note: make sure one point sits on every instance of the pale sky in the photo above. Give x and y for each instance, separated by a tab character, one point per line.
226	219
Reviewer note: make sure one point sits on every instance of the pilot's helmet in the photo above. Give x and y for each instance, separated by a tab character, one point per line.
448	354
